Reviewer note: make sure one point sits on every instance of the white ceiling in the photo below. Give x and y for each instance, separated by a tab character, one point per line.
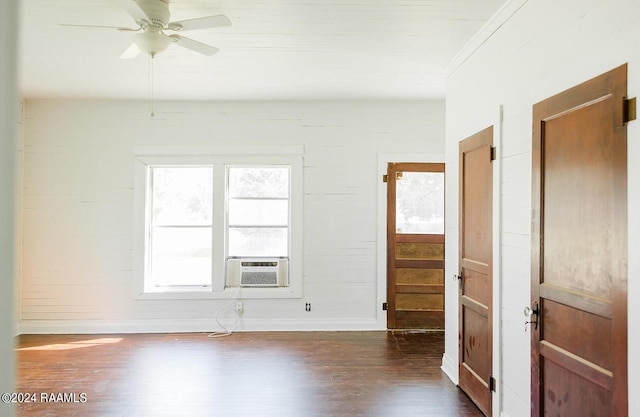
275	49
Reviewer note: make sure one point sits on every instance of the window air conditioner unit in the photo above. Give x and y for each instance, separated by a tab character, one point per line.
257	272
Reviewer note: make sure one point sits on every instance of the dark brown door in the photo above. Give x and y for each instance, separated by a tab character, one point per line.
579	251
415	246
475	279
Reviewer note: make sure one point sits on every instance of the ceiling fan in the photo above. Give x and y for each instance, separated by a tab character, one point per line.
152	18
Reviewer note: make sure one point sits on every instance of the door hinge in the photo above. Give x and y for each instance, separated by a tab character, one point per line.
385	177
493	153
492	384
629	109
385	306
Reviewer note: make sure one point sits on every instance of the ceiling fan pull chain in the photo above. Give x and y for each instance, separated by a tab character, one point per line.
150	90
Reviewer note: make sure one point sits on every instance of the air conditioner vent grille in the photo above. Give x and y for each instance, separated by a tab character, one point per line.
259	264
260	278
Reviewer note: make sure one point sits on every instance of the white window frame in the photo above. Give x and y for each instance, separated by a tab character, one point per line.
151	228
228	226
219	158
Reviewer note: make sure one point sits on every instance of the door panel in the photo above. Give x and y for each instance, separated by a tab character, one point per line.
560	399
419	250
579	246
415	246
476	248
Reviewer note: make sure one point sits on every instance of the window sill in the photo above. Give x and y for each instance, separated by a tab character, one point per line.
227	294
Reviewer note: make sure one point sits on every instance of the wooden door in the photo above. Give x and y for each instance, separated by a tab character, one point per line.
415	246
579	251
475	278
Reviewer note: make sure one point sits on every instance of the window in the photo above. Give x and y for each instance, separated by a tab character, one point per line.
258	211
181	224
194	214
420	203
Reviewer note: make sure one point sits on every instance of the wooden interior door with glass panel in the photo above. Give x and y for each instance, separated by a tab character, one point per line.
415	246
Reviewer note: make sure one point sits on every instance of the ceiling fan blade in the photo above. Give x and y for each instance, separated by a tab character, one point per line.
196	46
133	8
131	52
200	23
122	29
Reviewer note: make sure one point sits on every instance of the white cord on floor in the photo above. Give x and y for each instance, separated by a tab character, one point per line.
225	331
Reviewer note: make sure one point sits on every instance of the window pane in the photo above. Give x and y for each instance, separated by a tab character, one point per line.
258	212
181	256
182	195
420	203
259	182
258	241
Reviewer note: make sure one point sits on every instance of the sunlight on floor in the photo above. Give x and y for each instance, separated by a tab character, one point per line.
76	345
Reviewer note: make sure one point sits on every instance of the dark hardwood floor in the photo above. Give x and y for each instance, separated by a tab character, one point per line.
283	374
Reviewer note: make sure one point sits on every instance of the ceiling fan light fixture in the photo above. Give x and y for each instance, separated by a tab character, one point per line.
152	43
152	18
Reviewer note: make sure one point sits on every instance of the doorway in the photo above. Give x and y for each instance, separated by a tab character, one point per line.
415	246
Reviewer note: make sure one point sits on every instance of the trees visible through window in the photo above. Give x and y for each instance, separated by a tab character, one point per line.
258	211
420	203
180	235
182	213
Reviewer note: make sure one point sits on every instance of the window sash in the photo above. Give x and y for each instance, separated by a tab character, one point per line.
273	246
266	245
183	265
177	190
168	266
271	215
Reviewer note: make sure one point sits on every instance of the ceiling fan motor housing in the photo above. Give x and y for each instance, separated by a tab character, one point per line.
157	10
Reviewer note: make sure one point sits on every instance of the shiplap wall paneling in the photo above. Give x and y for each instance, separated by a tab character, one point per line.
78	205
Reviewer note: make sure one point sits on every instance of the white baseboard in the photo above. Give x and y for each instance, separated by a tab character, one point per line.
16	329
450	368
190	326
503	414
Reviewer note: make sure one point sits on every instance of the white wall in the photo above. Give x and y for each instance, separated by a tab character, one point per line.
8	107
78	207
546	47
18	169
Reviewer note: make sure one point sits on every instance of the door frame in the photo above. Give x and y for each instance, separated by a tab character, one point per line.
381	233
452	267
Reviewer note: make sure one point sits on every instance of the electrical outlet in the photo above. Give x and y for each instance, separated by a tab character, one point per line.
239	307
307	307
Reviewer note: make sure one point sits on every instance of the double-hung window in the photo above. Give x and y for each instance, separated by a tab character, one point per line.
196	216
258	211
180	226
